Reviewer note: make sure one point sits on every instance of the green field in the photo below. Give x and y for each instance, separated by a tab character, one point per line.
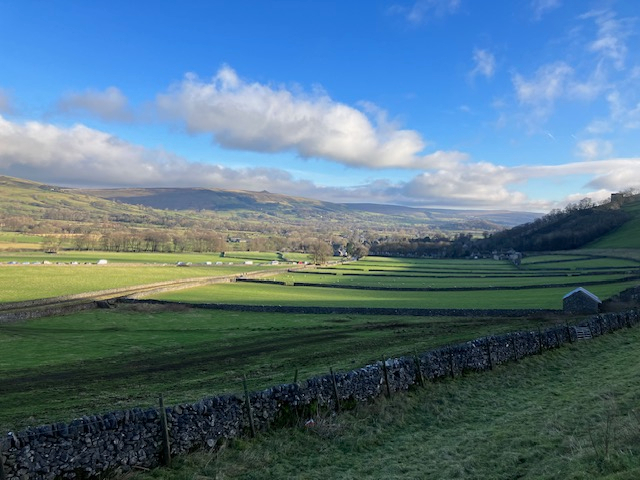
487	284
30	282
626	236
568	414
59	368
63	367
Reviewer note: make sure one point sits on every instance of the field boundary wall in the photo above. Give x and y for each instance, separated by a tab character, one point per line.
422	312
118	442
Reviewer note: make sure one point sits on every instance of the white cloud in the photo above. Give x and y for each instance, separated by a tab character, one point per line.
624	114
257	117
110	104
81	156
596	70
594	149
478	185
541	7
610	42
541	92
547	85
485	63
6	105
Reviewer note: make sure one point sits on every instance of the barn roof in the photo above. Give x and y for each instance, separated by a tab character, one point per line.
585	291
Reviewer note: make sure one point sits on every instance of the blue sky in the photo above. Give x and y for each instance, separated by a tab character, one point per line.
497	104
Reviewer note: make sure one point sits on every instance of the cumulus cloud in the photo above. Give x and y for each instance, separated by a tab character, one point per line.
479	185
485	63
81	156
252	116
485	185
110	104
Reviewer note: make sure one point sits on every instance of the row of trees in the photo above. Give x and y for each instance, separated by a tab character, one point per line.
203	241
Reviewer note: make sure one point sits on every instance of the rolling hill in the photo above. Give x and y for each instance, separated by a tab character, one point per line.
27	201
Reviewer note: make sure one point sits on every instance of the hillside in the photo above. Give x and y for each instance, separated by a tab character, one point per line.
611	225
32	207
296	208
627	235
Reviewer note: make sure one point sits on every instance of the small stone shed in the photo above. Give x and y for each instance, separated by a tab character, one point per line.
580	301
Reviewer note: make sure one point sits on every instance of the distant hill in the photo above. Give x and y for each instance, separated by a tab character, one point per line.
37	207
198	199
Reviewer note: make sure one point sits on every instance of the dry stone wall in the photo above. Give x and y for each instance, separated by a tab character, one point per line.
117	442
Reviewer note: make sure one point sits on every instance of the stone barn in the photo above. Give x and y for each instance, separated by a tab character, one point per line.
581	301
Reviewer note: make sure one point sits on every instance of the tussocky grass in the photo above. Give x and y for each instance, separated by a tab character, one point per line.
572	413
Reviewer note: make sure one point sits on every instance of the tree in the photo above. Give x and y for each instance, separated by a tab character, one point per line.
320	251
51	244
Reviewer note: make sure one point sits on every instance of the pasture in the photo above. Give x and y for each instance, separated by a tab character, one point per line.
539	283
571	413
61	367
30	282
64	367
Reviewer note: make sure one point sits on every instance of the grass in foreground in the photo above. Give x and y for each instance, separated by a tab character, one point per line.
60	368
573	413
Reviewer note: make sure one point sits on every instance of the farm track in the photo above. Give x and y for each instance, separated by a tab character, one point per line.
32	307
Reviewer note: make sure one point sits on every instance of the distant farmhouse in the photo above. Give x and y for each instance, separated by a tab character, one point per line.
580	301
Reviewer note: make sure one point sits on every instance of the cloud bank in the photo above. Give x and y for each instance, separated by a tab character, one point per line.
110	104
81	156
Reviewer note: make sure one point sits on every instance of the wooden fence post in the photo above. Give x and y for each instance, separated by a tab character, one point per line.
569	333
386	377
335	388
416	359
451	370
540	340
490	360
247	401
166	447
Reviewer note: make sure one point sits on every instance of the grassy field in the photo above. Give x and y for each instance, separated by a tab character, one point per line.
19	241
543	282
29	282
626	236
572	413
139	257
265	294
64	367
